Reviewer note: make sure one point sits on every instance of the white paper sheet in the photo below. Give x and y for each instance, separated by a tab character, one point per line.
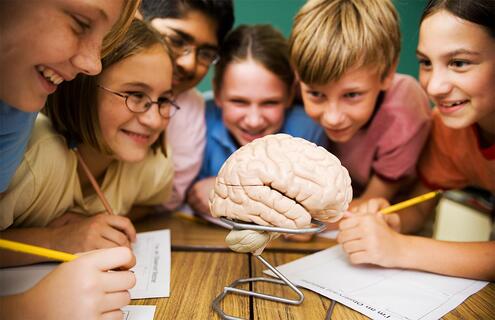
332	234
139	312
152	250
380	293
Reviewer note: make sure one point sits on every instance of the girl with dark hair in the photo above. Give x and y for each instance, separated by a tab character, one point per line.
456	53
254	87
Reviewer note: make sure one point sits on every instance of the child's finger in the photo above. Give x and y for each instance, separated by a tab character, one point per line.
347	214
348	223
353	246
348	235
112	315
375	205
123	224
116	236
115	300
110	259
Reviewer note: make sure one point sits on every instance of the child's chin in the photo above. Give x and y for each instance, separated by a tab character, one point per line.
132	158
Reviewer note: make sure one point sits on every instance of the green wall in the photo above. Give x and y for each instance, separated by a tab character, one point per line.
280	13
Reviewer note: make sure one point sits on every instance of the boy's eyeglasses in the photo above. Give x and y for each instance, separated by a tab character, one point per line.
182	47
140	102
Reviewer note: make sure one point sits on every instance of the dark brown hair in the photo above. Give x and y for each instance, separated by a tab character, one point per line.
481	12
261	43
72	109
220	11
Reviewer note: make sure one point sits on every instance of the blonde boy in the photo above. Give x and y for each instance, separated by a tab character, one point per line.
345	53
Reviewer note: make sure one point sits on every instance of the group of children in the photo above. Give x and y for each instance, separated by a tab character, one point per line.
131	123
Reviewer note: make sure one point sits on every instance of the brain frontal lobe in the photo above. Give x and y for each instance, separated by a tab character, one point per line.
282	181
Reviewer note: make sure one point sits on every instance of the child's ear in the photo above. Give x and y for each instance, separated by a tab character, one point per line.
387	81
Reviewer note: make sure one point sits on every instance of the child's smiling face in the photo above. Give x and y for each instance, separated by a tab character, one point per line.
130	135
52	41
343	106
253	101
198	30
457	69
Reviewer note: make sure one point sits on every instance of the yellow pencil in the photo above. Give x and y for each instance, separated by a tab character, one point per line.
38	251
411	202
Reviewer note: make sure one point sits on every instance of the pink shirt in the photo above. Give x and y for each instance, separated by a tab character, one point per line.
186	134
389	146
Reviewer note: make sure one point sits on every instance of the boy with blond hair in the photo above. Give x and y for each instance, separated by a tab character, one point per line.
345	53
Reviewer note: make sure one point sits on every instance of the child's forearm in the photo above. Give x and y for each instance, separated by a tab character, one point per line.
475	260
413	219
13	307
35	236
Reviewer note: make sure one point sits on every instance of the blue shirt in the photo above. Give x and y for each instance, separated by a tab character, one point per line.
220	144
15	130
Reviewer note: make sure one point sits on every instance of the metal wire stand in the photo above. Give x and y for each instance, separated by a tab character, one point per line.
280	278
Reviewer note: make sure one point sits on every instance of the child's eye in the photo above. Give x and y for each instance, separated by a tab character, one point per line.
82	24
177	42
135	95
164	100
424	63
238	102
271	103
352	95
459	63
315	94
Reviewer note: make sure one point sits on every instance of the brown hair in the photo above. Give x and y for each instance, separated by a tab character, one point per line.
119	29
481	12
261	43
330	37
72	109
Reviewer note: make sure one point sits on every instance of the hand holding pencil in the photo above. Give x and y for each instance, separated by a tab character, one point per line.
76	233
100	294
372	234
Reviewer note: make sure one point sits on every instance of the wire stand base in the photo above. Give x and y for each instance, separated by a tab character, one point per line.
280	278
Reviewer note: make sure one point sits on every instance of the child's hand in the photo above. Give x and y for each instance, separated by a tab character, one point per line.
96	232
373	206
198	195
367	238
66	218
83	289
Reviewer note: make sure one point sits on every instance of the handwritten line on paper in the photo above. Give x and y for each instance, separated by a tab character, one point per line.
378	292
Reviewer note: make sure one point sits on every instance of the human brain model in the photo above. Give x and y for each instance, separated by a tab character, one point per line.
281	181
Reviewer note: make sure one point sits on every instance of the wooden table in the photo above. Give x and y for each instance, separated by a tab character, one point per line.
202	265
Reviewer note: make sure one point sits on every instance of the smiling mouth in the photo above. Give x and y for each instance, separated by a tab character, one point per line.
253	134
137	136
338	130
50	75
453	104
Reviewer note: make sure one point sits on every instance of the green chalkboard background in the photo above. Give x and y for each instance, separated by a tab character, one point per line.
279	13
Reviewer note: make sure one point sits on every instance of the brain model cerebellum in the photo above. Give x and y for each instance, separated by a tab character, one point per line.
281	181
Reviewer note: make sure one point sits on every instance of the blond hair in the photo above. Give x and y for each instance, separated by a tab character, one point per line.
119	29
330	37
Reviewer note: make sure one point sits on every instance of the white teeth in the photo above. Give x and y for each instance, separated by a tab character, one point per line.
453	104
50	75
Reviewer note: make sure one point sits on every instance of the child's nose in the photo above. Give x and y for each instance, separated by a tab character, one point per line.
187	62
253	118
152	118
332	116
88	59
437	83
